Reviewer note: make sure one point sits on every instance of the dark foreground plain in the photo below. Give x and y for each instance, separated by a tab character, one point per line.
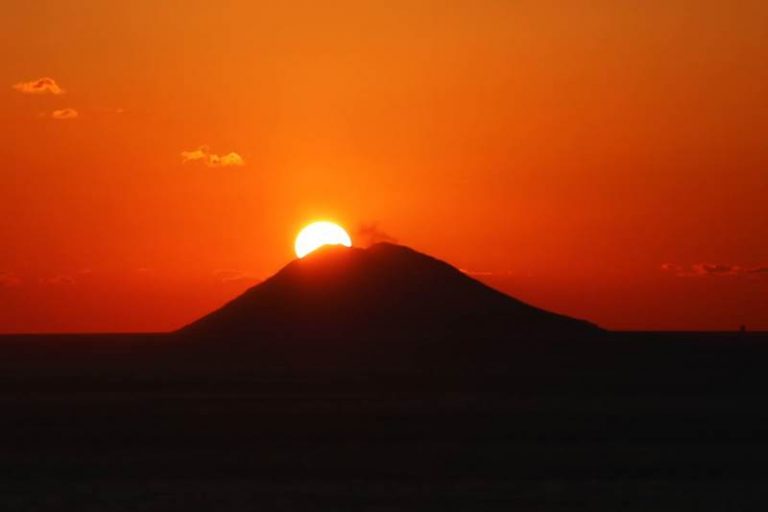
632	421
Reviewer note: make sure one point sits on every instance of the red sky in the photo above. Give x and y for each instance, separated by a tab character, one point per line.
602	159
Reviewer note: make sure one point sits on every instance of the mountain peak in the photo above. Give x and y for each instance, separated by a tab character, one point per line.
383	291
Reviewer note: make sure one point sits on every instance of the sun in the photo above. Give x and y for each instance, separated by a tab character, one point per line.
318	234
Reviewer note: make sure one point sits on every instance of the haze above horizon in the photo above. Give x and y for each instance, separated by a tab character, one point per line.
606	161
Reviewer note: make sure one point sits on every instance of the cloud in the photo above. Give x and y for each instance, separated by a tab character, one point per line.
716	269
480	273
65	113
369	234
9	280
60	280
233	276
203	154
671	267
45	85
486	273
712	269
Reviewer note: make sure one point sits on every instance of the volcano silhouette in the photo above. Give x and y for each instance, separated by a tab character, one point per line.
385	292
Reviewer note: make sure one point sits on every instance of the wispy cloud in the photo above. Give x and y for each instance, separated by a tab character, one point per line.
9	280
369	234
60	280
486	273
65	113
712	269
480	273
45	85
231	276
716	269
203	154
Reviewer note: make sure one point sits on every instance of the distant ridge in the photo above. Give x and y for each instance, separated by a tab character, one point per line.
385	292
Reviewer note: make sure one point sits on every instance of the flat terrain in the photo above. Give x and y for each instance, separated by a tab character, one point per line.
636	421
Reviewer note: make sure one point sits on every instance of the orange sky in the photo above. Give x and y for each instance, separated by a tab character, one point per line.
603	159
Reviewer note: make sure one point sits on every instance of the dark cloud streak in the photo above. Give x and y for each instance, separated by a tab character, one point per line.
370	233
712	270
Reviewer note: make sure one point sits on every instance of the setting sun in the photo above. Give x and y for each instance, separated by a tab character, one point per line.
318	234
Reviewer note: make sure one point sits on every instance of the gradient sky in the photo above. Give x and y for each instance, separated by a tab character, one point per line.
603	159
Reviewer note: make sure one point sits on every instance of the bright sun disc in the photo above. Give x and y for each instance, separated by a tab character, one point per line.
318	234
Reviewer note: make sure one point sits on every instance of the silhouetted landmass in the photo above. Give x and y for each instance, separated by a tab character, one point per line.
385	308
383	380
375	293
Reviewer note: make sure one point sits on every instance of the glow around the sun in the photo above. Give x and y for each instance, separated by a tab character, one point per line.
319	234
